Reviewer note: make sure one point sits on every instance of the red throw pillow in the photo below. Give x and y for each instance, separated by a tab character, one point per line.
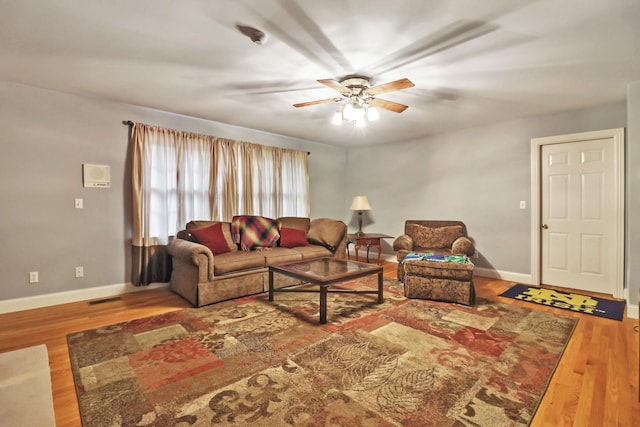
292	237
212	238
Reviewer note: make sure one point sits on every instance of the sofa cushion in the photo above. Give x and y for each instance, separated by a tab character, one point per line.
434	237
237	261
292	237
225	226
254	231
299	223
312	251
212	237
326	232
276	256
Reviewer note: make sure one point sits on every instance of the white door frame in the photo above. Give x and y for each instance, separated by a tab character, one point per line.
536	147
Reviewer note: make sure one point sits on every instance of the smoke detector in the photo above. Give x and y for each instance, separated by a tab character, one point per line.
256	36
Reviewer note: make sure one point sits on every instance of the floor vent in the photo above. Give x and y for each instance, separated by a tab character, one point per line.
102	301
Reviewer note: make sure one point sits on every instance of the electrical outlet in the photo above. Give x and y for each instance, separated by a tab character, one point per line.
79	271
523	204
33	277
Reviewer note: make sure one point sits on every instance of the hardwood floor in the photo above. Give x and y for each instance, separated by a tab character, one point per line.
596	383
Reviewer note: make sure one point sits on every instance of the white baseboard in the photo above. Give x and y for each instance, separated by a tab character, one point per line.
632	309
39	301
504	275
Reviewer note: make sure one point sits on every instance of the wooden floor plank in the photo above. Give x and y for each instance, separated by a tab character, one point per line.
596	382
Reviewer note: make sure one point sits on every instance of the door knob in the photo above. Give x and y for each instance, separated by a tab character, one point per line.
545	226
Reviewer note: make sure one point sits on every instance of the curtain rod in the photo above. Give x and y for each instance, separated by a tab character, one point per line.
130	123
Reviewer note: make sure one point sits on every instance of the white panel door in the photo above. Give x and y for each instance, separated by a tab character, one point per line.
578	215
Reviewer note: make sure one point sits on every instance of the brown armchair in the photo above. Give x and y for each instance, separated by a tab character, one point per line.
440	237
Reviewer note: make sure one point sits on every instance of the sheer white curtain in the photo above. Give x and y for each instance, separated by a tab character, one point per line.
194	179
180	176
279	181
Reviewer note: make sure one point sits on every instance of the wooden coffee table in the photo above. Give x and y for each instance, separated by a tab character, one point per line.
325	272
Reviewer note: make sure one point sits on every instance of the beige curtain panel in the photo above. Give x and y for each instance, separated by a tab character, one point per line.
180	176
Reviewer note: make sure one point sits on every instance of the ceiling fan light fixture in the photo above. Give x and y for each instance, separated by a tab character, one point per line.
358	99
355	112
358	113
372	114
337	118
348	112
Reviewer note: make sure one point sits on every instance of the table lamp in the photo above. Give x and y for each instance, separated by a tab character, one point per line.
360	203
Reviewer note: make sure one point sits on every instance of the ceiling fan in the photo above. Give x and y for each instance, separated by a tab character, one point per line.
358	97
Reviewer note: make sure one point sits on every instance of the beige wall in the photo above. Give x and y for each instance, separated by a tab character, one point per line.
45	137
476	175
632	216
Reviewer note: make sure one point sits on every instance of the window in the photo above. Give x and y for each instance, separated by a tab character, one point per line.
180	176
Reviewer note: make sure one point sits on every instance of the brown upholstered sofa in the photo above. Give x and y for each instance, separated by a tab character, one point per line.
203	278
439	237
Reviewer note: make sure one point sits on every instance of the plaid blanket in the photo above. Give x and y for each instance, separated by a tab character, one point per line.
417	256
254	231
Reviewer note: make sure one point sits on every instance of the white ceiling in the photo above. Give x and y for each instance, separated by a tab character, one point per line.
473	62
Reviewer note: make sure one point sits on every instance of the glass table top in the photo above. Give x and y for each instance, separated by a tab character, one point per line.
327	268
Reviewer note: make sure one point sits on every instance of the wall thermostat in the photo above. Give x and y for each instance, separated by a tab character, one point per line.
96	176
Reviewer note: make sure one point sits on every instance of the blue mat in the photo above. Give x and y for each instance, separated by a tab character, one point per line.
601	307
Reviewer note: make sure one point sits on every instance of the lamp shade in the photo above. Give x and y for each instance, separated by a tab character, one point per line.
360	203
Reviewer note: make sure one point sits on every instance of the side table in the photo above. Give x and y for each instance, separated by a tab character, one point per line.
368	240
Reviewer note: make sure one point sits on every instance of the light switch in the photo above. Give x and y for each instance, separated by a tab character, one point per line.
79	204
523	204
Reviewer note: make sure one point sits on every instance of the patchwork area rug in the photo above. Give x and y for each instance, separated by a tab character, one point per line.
601	307
249	362
25	388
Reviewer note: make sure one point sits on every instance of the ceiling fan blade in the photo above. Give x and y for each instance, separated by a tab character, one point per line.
387	105
320	101
390	87
336	86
